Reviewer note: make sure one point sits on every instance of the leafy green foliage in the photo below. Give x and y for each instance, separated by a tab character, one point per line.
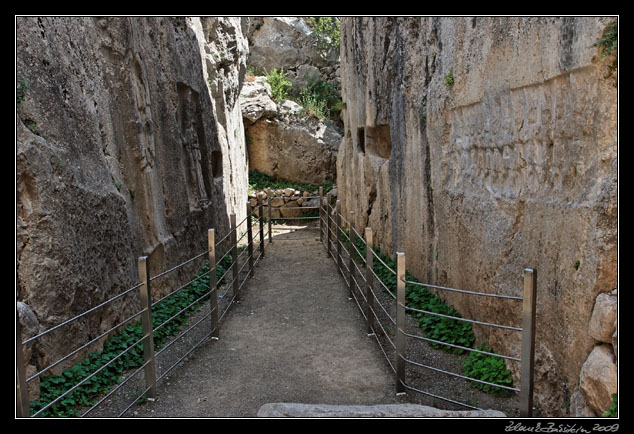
53	386
609	41
261	181
488	368
328	33
480	366
418	297
321	99
280	85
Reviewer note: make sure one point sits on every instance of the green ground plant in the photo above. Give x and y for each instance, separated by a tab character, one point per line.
488	368
321	99
261	181
479	366
86	394
280	85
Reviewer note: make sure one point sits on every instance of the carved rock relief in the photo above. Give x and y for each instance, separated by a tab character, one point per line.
530	141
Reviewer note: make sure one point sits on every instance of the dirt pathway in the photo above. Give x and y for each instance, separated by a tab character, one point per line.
294	337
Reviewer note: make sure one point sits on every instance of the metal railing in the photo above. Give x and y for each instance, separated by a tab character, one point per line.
382	316
269	208
218	306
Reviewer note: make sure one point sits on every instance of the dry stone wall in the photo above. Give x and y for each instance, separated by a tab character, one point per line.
129	143
286	202
481	146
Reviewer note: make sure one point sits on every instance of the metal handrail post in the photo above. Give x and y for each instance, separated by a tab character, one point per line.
269	213
21	390
351	256
234	256
321	214
146	326
528	343
261	214
400	322
328	226
249	241
213	285
338	235
369	263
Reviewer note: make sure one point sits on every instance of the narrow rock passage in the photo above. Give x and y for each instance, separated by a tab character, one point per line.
293	337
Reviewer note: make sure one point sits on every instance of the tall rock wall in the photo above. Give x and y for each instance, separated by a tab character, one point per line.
128	142
482	146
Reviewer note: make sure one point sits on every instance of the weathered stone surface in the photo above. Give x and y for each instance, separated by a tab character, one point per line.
481	146
578	405
287	145
255	100
281	409
129	143
598	379
603	320
284	43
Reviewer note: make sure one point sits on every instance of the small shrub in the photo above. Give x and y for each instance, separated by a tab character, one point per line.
279	84
328	33
321	99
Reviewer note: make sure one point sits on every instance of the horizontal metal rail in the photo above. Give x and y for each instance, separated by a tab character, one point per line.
336	229
413	389
464	377
86	345
483	294
68	321
473	350
176	267
148	362
412	309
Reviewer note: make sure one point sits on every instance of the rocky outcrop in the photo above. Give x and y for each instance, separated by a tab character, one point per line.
288	43
481	146
598	379
129	143
282	141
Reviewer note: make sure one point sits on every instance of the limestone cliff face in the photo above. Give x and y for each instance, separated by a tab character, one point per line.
481	146
129	143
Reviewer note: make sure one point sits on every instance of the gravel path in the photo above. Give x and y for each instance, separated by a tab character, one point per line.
293	337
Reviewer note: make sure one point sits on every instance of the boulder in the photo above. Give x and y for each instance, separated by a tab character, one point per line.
603	320
283	43
598	379
295	149
255	100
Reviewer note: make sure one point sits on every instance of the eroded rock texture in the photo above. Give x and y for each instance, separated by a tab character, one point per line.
482	146
129	143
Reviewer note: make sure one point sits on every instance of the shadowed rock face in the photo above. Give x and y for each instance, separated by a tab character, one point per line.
129	143
482	146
